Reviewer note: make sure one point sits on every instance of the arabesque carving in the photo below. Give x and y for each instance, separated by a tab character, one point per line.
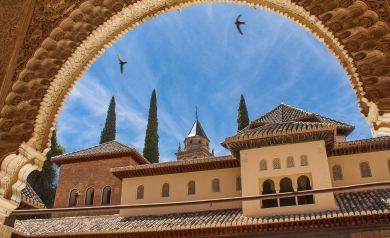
64	37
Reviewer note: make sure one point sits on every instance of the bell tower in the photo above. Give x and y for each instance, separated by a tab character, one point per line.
196	144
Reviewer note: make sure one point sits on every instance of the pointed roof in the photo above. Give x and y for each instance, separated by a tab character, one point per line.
288	113
111	149
197	130
287	124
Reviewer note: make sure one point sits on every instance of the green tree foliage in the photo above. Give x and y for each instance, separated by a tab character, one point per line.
109	130
150	151
243	119
44	182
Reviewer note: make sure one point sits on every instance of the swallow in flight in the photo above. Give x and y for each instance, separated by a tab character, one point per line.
238	23
121	62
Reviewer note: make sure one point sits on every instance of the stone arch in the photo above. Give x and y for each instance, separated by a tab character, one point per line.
304	184
52	51
269	188
286	187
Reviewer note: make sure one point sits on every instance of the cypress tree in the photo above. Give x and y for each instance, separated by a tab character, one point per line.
44	182
109	130
243	119
150	151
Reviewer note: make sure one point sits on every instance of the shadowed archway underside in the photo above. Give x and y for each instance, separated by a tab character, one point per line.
47	45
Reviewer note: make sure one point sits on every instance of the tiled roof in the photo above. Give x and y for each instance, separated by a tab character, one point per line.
30	197
105	150
179	166
281	133
361	146
288	113
350	204
197	130
283	128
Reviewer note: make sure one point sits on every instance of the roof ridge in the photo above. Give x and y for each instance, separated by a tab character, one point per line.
92	147
316	114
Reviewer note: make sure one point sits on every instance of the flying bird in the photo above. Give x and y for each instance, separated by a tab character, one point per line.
121	62
238	23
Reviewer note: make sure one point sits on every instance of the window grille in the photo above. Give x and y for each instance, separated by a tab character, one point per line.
290	162
191	187
365	170
238	183
263	165
276	163
165	190
337	172
215	185
140	192
304	160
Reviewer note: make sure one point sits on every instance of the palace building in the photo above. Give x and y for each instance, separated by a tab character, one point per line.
285	151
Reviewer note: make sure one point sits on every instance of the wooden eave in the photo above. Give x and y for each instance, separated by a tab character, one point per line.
107	155
361	146
132	171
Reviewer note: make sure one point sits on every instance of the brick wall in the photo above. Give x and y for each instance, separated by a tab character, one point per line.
83	175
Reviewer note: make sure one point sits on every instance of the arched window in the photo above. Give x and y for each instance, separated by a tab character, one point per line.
269	188
290	162
304	184
89	196
276	163
191	187
304	160
238	183
106	198
337	172
165	190
73	198
215	185
365	170
285	187
140	192
263	165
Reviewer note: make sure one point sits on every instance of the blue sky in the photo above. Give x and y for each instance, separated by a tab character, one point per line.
198	58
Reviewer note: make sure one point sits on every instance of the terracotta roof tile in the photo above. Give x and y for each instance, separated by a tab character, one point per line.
282	128
349	204
361	146
179	166
108	149
288	113
281	133
175	163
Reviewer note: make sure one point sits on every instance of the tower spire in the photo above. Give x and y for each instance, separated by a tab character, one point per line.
196	113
